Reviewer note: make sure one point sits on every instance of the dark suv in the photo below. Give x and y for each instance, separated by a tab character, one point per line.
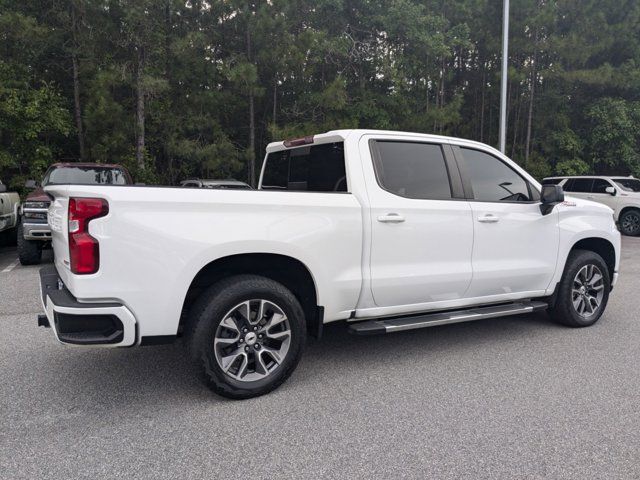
33	231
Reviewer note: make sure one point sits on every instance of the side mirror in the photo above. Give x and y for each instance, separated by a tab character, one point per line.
3	188
31	184
610	191
550	196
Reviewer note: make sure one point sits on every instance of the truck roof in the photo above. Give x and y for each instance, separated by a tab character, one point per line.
341	135
86	164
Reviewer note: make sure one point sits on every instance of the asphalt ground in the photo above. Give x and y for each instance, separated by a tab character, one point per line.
516	397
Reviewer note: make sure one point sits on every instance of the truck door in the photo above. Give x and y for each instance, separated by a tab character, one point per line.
421	226
515	247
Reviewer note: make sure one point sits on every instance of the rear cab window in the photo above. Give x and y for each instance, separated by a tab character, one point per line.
312	168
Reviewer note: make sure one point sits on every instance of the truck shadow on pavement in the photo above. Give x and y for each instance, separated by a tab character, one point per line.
164	375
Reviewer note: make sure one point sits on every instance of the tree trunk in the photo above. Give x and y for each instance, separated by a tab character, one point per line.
484	83
168	72
252	141
76	84
275	100
534	74
518	109
252	117
140	109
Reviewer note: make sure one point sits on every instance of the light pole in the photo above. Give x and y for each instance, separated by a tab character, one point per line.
503	82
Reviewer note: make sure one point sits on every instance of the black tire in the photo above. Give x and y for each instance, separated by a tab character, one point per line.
210	310
564	311
8	237
629	223
29	251
12	236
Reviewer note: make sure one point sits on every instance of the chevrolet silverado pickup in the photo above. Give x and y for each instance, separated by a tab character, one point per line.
388	231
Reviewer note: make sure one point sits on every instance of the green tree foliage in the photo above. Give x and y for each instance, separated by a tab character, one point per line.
34	120
178	88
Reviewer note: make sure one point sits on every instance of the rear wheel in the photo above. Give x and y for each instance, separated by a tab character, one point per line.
29	251
583	292
630	222
246	335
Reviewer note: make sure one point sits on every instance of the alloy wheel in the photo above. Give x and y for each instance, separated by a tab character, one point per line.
631	223
252	340
588	290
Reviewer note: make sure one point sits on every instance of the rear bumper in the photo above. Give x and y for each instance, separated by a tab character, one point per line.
36	231
109	324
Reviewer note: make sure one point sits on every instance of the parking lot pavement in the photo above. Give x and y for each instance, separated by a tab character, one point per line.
507	398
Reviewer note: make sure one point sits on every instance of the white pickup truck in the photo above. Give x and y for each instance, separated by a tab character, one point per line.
9	208
388	231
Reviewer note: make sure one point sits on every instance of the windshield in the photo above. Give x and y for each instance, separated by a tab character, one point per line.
628	184
85	176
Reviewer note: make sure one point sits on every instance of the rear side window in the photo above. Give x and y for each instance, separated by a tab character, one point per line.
412	170
316	168
493	180
579	185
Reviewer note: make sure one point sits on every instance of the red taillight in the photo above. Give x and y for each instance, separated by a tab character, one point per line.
84	251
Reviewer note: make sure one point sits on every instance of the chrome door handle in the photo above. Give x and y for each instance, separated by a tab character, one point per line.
488	218
391	218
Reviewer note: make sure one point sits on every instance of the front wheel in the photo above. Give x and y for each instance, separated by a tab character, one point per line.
29	251
583	292
630	222
246	335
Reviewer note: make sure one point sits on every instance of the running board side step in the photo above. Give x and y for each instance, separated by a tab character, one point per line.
397	324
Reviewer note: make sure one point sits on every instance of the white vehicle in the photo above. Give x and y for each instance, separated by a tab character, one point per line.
9	208
220	184
386	230
622	194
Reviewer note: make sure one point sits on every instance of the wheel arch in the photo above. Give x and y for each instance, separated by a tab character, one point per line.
627	208
602	247
288	271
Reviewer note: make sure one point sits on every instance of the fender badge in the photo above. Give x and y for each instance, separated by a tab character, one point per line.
567	203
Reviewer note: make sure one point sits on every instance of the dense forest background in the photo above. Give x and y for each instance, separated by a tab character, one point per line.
198	88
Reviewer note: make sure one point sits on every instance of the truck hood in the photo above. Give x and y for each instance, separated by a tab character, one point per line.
38	195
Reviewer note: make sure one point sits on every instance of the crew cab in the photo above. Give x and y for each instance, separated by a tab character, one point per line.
388	231
33	231
622	194
9	206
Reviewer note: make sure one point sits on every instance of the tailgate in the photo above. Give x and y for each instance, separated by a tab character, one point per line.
58	211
